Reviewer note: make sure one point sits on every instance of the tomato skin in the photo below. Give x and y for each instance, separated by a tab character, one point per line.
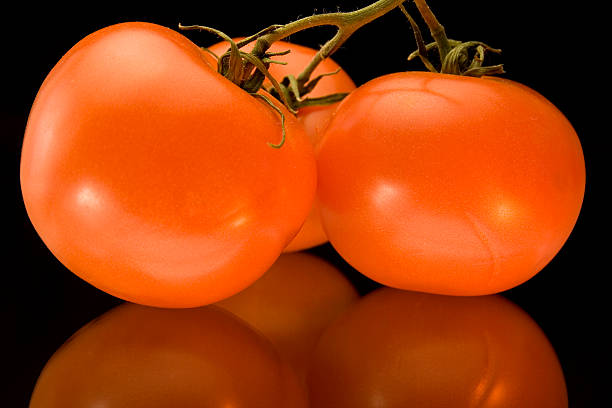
295	300
448	184
314	118
150	176
396	349
136	356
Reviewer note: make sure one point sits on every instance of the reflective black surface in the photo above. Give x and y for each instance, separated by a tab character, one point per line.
543	46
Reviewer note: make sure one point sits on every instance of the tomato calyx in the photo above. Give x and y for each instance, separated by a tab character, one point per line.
249	72
234	65
455	57
464	58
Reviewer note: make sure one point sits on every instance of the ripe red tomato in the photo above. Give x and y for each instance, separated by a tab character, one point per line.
314	118
293	303
449	184
136	356
150	176
397	349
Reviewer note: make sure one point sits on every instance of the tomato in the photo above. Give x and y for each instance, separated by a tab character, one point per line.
314	118
293	303
150	176
447	184
136	356
406	349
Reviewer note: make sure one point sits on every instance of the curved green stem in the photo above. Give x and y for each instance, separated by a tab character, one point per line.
421	47
282	116
437	30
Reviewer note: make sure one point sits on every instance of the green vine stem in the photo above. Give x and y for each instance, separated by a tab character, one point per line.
435	28
248	74
249	70
347	23
421	51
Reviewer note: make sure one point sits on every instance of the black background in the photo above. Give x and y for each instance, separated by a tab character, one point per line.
554	50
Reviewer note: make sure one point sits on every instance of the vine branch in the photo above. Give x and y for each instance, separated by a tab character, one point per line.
347	23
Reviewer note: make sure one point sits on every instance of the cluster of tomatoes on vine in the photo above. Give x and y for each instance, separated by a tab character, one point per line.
174	176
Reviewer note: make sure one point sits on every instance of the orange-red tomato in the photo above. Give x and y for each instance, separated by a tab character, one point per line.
150	176
314	118
293	303
136	356
406	349
447	184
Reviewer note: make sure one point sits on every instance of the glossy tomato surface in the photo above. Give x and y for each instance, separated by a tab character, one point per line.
398	349
449	184
150	176
136	356
313	118
293	303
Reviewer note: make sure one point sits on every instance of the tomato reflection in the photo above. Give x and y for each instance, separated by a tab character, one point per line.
406	349
293	303
135	356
